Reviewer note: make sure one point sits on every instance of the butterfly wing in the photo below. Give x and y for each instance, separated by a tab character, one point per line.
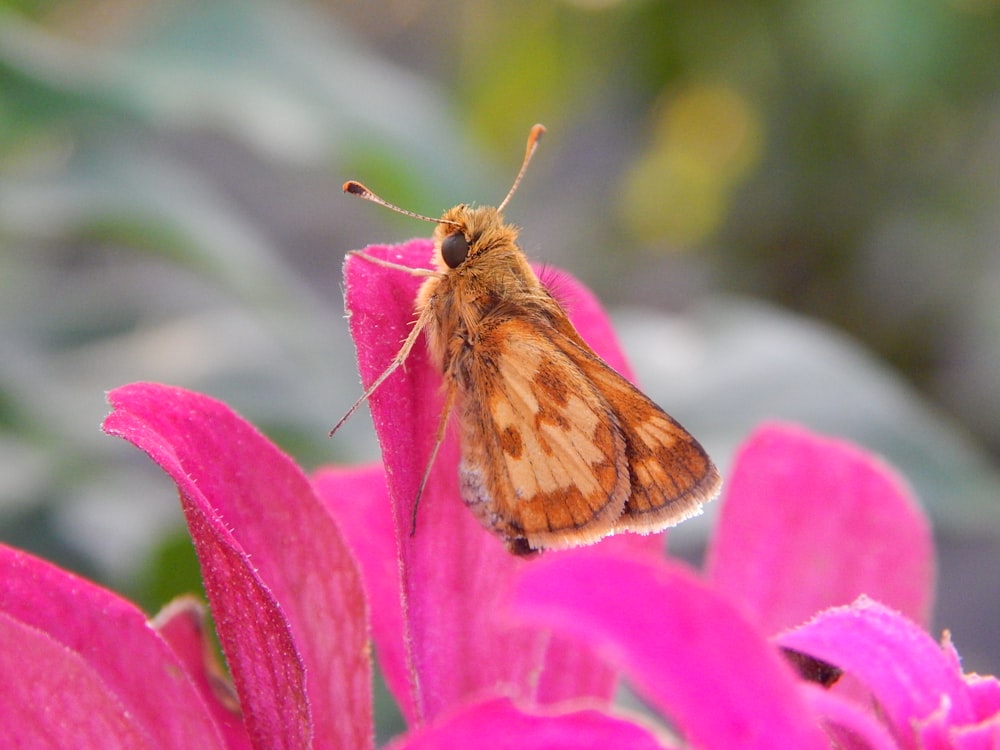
670	474
543	456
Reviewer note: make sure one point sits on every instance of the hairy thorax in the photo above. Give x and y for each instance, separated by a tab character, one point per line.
465	301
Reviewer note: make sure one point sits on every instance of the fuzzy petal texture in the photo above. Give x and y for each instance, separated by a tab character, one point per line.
184	625
52	698
85	660
500	725
810	522
848	723
916	683
984	692
454	575
284	588
690	653
359	500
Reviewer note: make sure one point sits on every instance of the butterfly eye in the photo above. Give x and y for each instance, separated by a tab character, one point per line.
454	249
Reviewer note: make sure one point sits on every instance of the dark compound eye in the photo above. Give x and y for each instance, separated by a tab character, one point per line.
454	249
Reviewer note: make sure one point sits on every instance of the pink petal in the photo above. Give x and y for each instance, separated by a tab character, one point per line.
52	697
360	502
984	697
939	731
97	640
500	725
984	736
183	624
455	574
905	670
285	590
810	522
686	650
847	723
984	692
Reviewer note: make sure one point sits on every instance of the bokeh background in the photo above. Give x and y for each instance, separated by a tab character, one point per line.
791	207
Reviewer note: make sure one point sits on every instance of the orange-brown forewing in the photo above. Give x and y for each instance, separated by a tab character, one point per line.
670	474
559	450
543	459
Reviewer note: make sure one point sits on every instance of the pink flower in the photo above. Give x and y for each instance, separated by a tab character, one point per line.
923	697
808	525
300	574
437	595
707	667
87	670
82	667
810	522
289	600
284	587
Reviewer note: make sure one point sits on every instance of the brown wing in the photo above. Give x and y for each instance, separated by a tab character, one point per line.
670	474
543	458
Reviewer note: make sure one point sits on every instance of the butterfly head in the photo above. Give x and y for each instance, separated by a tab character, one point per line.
465	232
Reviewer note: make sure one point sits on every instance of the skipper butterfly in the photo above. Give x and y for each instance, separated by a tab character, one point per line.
558	449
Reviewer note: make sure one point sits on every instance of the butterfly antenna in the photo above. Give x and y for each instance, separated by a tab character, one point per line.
356	188
533	138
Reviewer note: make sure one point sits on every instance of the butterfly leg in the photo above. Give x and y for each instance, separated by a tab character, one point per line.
400	358
449	402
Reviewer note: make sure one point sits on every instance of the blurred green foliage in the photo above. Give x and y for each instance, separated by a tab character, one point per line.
797	202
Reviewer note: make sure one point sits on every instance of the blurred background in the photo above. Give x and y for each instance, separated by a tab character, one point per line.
792	209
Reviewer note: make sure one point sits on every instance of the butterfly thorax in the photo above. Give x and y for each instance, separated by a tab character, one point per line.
493	283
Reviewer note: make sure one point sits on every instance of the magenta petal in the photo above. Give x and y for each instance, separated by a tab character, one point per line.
360	502
500	725
101	641
809	522
52	697
285	590
984	692
183	624
685	649
846	722
455	574
984	736
909	674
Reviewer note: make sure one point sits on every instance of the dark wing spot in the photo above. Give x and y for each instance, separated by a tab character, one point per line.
510	442
549	378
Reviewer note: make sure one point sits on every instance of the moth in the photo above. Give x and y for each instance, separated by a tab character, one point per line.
557	449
